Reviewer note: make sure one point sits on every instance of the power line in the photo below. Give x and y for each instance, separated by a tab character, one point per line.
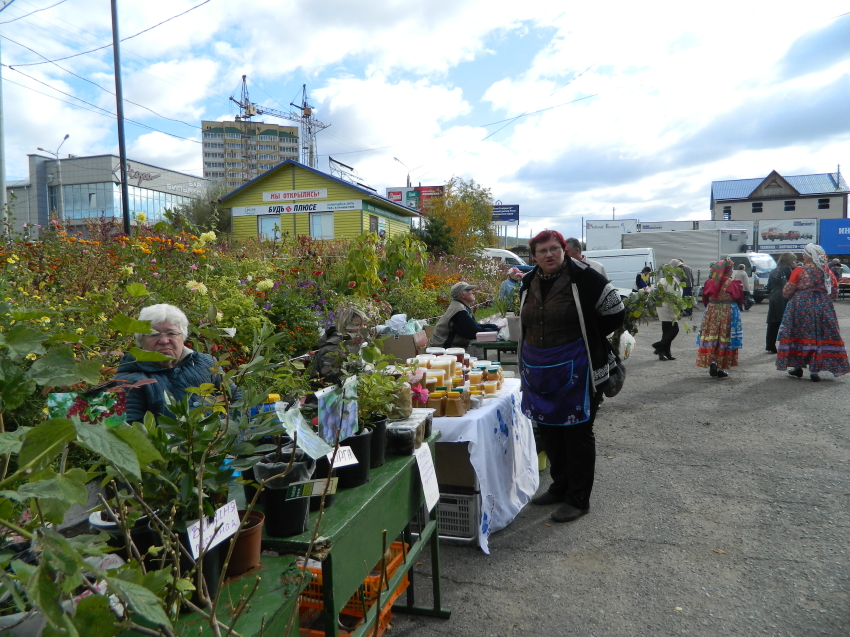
104	112
26	15
171	119
130	37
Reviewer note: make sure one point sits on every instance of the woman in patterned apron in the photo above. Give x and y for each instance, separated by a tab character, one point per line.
720	335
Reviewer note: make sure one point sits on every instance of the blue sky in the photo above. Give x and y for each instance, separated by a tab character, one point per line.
633	106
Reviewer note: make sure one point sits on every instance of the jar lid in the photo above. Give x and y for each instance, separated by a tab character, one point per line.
435	350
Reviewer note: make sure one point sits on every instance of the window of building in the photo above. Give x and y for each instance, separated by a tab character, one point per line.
233	146
727	213
790	206
268	227
232	136
214	164
213	135
234	164
92	200
214	155
52	198
213	145
757	206
266	146
373	224
823	204
322	225
267	138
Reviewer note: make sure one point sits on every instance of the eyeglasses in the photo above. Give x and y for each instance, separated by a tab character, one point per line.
171	336
552	250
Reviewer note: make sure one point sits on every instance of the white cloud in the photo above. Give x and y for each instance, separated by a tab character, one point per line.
167	152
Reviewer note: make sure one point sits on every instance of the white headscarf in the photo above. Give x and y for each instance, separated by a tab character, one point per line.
818	255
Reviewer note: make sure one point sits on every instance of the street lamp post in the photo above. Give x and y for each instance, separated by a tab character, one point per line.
61	210
408	170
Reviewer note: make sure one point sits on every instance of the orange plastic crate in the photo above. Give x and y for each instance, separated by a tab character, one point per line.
311	597
309	618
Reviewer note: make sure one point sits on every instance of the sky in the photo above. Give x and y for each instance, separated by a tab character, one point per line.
572	110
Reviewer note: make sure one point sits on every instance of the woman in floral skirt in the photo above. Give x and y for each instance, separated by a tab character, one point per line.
720	335
809	333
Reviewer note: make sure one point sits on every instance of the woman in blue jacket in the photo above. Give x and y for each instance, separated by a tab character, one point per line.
186	367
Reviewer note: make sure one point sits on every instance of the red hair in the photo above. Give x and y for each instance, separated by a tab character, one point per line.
544	237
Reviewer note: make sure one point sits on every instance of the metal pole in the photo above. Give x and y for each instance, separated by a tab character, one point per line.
4	218
119	101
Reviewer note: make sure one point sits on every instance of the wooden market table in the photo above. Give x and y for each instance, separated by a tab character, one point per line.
498	347
351	541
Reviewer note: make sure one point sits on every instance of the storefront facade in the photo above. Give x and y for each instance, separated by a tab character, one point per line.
299	200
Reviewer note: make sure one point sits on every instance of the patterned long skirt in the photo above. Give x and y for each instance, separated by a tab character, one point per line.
809	335
720	336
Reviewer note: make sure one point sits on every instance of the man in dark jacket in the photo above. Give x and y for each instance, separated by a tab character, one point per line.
186	368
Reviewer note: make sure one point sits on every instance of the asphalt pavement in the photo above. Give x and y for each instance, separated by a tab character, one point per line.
720	508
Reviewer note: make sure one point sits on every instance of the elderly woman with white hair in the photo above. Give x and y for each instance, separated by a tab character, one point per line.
184	368
809	335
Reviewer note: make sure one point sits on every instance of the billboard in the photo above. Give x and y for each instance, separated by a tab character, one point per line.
749	226
504	215
835	236
666	226
605	235
786	235
415	198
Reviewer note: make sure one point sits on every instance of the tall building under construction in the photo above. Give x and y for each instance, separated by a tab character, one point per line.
237	151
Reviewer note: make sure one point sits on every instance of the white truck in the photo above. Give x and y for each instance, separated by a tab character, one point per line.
622	266
700	248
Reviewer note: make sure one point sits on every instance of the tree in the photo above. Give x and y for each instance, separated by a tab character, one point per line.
436	235
466	209
204	213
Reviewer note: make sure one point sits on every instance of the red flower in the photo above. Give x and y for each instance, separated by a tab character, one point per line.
318	273
352	284
399	272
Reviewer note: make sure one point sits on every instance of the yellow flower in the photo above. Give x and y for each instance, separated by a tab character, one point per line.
79	330
265	284
102	318
31	357
45	319
207	236
141	217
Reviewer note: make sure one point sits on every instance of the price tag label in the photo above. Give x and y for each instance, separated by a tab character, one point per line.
428	475
224	524
344	457
309	488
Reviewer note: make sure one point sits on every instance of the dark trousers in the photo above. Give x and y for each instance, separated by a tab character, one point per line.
771	336
687	292
571	450
669	331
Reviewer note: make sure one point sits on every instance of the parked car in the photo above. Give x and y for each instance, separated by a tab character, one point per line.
507	257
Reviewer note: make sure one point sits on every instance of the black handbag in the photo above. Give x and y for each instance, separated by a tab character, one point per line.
616	378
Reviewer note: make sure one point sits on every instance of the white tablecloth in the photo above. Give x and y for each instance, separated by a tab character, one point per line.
503	454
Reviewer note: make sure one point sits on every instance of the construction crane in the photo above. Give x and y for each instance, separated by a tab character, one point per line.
308	127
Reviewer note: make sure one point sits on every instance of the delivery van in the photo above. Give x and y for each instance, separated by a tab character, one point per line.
623	266
758	266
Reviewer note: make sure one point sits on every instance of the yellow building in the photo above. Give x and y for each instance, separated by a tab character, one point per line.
300	200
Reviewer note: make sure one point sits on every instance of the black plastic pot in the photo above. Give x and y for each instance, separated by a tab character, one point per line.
141	534
211	568
284	517
355	475
323	467
378	446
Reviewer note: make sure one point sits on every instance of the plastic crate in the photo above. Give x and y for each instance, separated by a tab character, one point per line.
311	597
310	620
459	514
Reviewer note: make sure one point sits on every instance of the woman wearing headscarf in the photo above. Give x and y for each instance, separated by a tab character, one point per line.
720	335
809	333
667	312
457	326
567	309
776	306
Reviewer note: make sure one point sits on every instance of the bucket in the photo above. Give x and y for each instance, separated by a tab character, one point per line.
378	446
284	517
